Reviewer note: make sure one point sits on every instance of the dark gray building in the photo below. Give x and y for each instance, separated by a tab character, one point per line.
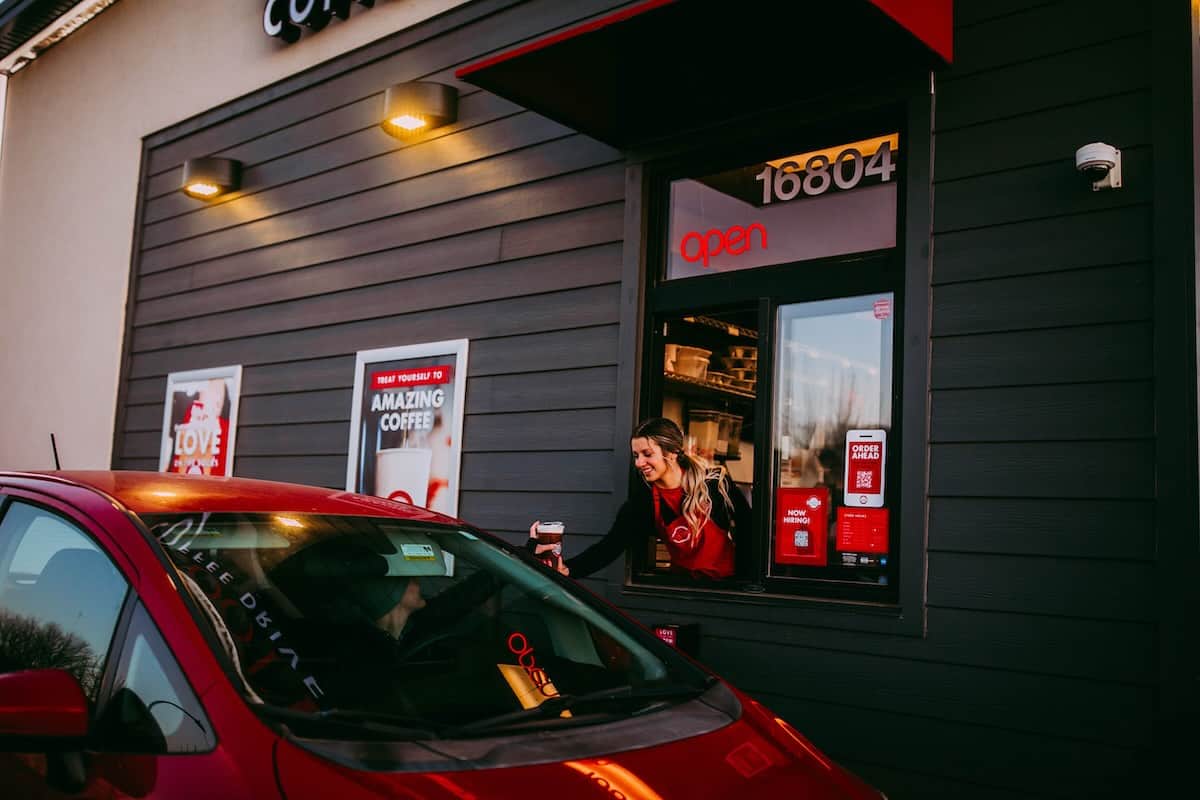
856	237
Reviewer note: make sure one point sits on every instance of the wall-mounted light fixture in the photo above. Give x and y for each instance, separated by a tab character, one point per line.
418	106
208	178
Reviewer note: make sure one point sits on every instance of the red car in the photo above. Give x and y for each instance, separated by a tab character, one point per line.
172	637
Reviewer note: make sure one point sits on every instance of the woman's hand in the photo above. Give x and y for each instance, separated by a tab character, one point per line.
545	548
558	561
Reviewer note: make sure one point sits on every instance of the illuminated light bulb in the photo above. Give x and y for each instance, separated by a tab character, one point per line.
408	122
202	189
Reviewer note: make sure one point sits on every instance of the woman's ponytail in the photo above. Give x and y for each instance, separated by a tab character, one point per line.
697	505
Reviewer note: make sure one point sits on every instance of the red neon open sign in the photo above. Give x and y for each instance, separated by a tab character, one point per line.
697	246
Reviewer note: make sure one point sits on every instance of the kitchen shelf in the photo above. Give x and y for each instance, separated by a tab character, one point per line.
732	330
674	379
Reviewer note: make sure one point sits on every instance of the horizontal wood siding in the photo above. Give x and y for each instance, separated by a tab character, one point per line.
1037	672
1041	485
505	228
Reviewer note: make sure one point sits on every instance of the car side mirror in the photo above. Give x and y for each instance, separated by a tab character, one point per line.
42	710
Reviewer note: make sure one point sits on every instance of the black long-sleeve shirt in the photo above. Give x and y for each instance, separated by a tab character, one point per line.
635	523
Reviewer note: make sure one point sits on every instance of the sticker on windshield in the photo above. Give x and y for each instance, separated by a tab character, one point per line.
418	552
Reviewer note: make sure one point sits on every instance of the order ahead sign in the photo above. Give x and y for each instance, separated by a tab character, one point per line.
283	18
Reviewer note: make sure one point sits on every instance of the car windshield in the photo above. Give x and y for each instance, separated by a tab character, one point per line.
409	629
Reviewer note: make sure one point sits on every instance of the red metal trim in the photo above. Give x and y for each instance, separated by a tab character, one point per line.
931	22
570	33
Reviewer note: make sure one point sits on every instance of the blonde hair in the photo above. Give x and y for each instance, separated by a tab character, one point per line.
697	504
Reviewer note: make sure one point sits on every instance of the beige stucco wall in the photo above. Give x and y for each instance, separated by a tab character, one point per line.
68	184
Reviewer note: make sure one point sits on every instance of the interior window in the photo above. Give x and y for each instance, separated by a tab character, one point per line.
60	597
152	708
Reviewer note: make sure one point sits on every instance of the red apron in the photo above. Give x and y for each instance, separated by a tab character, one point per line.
705	554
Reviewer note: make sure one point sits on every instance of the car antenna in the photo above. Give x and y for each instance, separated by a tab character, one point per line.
54	447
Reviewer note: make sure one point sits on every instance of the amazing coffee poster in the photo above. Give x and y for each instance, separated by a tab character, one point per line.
406	424
200	421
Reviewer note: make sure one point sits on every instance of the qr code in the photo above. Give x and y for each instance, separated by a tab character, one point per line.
863	479
800	539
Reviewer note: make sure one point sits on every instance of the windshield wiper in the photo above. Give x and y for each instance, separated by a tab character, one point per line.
555	706
372	721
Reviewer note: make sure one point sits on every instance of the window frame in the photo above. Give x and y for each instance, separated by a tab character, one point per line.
767	289
905	104
894	479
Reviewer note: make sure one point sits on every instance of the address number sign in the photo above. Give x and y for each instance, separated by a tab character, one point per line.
820	171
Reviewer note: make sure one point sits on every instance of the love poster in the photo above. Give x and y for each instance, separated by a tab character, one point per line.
200	421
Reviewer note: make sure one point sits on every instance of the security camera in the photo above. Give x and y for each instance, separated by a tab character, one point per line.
1100	165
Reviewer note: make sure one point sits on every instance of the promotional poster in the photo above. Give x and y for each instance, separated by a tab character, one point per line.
801	526
406	424
200	421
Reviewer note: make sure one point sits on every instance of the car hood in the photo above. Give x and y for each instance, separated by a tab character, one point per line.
756	756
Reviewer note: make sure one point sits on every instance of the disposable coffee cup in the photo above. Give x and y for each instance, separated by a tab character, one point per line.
550	533
402	474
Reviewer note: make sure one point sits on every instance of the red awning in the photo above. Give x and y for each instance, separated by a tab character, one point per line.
645	71
931	21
